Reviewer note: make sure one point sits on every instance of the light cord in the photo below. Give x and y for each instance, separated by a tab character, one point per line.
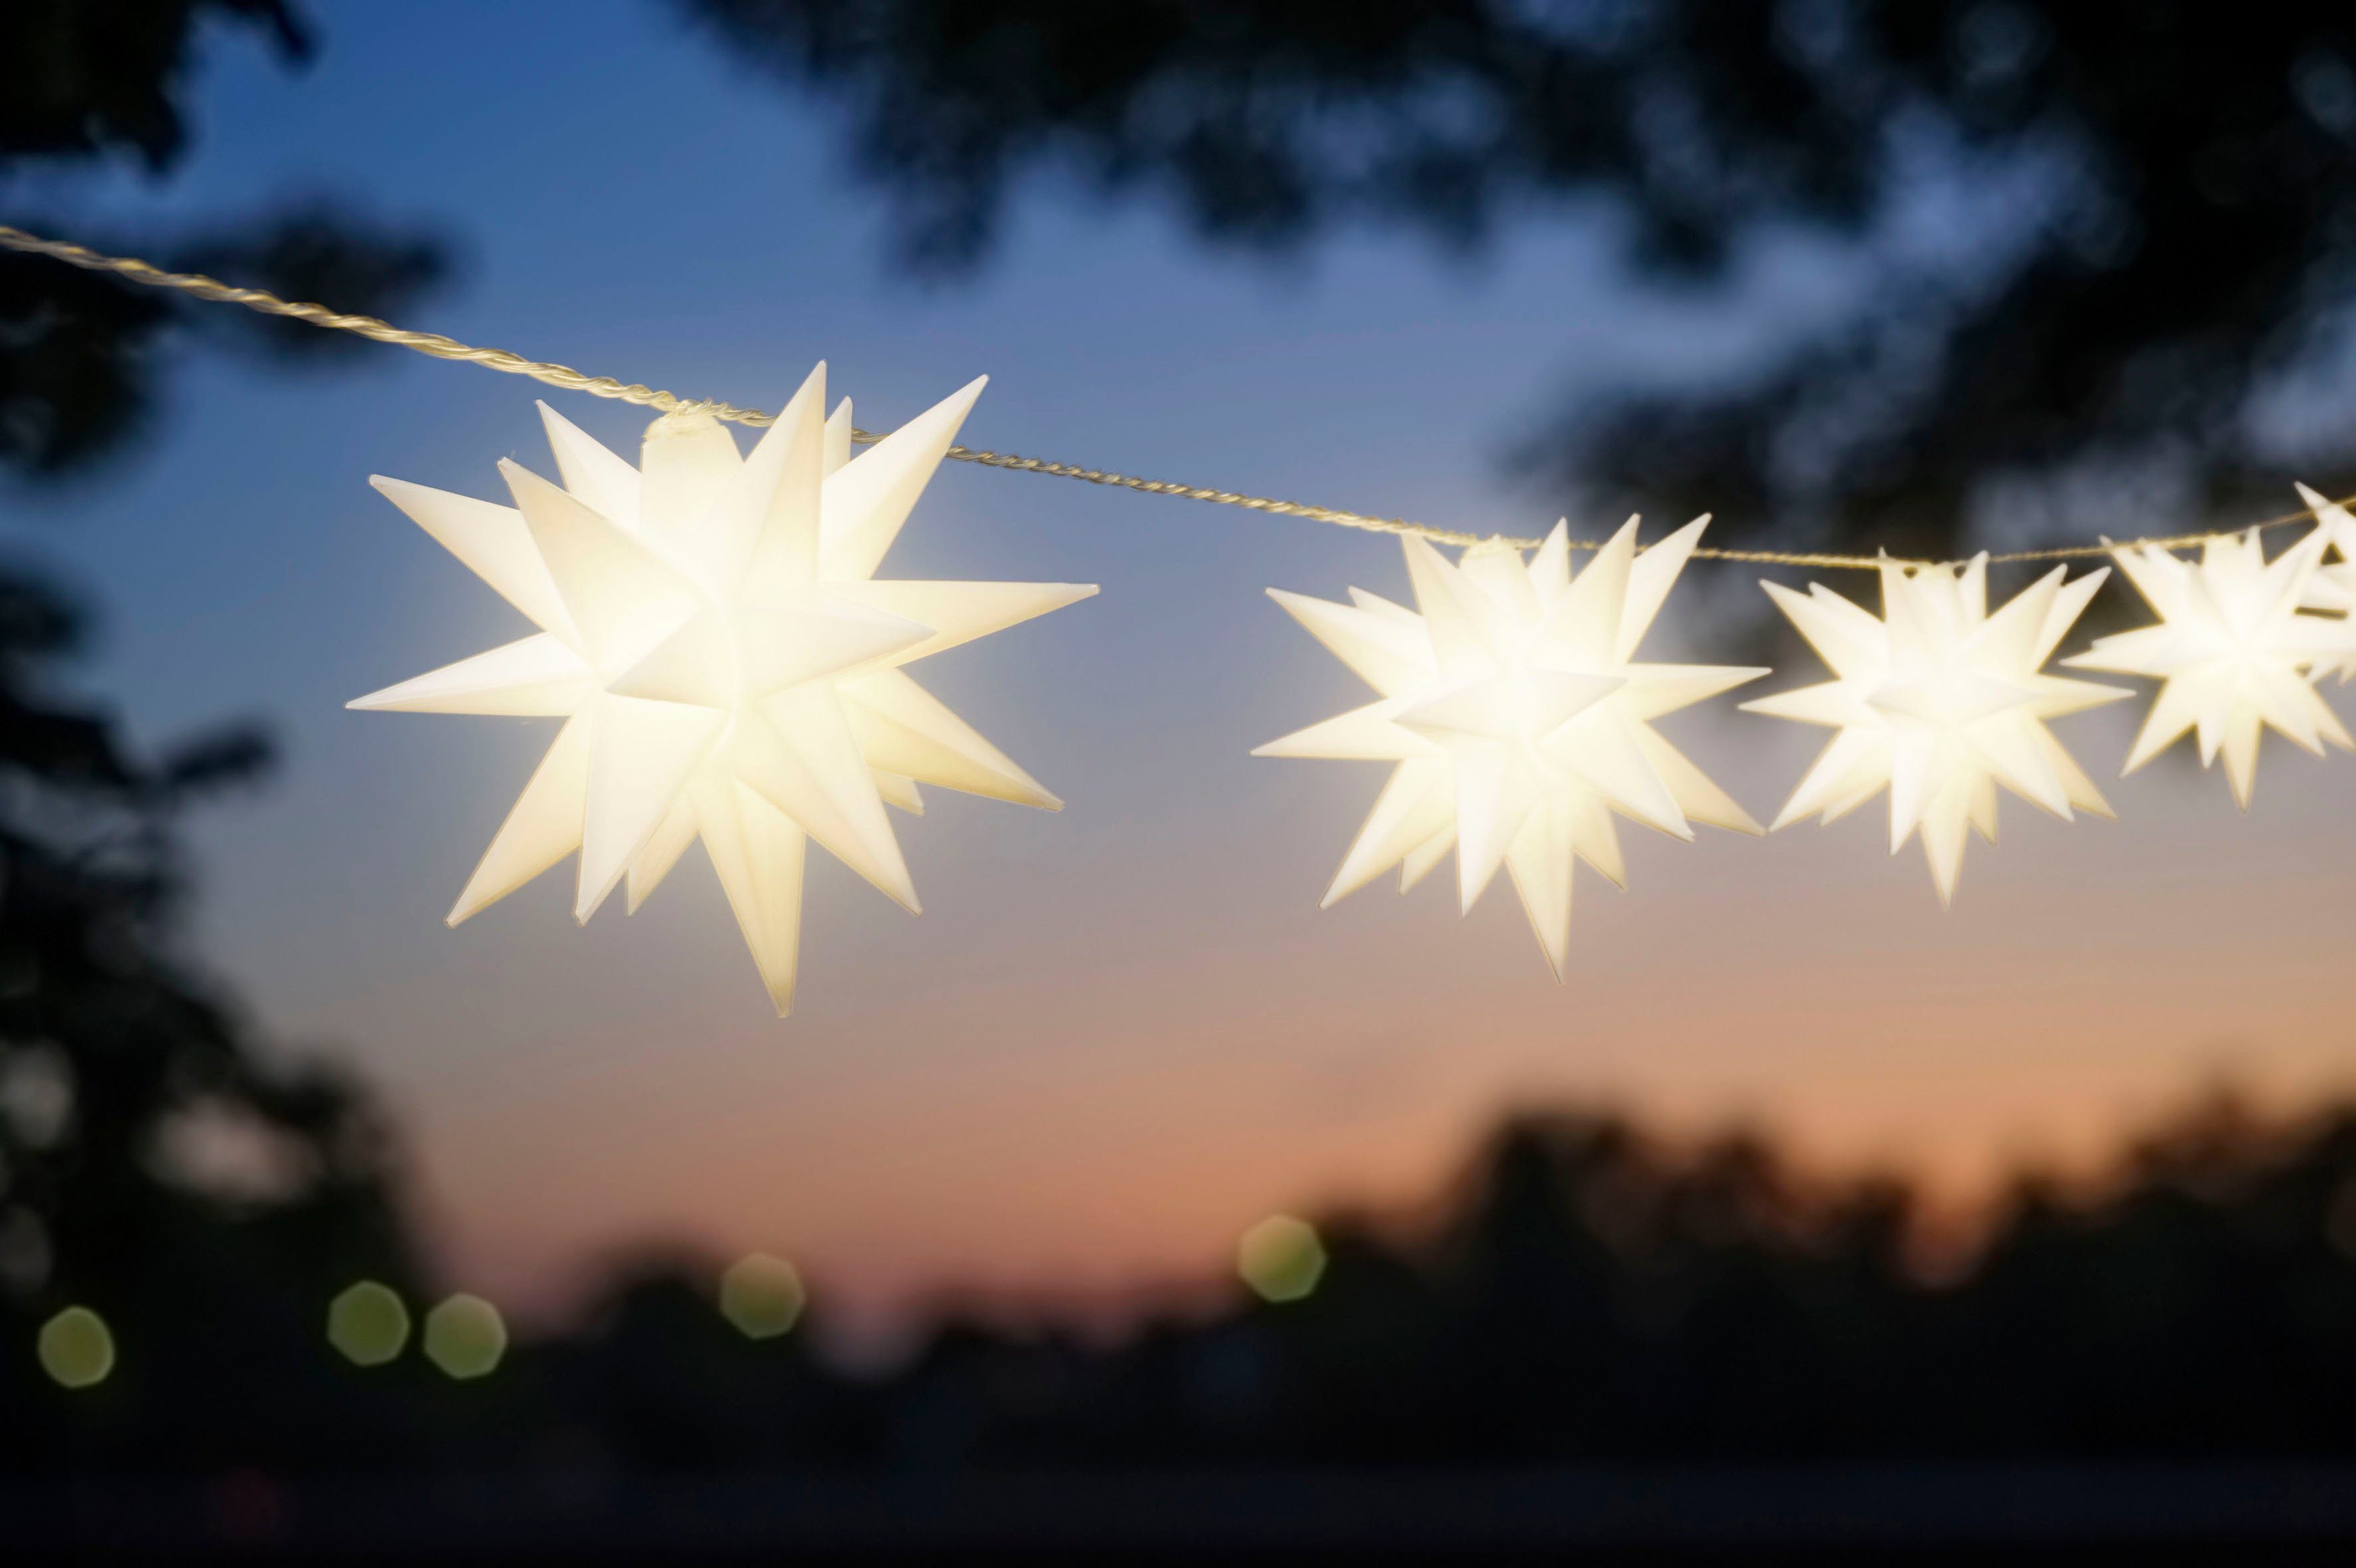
196	284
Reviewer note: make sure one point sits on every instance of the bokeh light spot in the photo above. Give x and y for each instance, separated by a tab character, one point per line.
369	1324
465	1336
77	1348
762	1295
1280	1258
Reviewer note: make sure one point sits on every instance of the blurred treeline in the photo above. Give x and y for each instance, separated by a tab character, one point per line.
1588	1295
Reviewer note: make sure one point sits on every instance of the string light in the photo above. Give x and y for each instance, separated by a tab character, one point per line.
728	668
196	284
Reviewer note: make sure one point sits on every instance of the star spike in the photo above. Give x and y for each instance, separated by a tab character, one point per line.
866	502
537	677
495	545
543	827
762	524
599	479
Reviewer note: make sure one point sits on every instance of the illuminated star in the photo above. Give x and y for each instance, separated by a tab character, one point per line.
2333	586
727	666
1517	717
1939	701
2233	650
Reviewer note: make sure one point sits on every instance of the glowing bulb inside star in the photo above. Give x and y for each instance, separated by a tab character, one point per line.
727	665
1939	701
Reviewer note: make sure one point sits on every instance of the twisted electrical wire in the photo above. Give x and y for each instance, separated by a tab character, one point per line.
199	286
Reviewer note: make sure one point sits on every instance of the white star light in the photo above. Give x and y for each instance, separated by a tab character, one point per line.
1517	720
2232	650
2333	586
1939	701
725	665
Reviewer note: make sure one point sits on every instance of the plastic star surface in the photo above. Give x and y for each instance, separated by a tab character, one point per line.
2233	650
727	666
2333	586
1939	701
1517	717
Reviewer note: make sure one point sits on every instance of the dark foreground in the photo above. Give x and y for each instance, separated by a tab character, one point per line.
2153	1513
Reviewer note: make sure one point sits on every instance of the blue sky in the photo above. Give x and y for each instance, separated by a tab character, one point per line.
1119	1033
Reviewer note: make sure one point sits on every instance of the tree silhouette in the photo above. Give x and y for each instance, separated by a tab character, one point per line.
2152	220
160	1162
206	1195
86	86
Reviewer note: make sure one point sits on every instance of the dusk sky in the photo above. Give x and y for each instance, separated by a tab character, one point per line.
1120	1034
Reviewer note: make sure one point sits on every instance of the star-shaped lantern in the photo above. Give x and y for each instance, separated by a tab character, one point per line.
1939	701
2233	650
727	664
1518	717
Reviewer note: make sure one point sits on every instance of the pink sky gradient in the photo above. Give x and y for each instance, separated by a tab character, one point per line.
1093	1088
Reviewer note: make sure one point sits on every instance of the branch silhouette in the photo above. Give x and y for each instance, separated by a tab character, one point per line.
2158	216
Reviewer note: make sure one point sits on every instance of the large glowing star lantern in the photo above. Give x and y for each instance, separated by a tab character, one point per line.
2233	650
1939	701
727	664
1516	718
